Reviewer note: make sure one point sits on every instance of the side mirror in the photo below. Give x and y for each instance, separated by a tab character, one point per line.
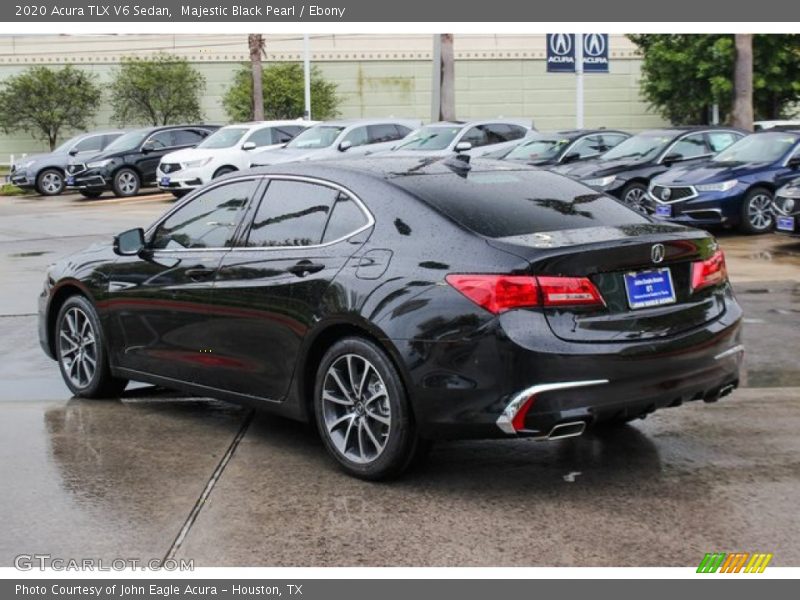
148	148
285	139
129	243
73	152
794	162
249	146
571	157
345	146
672	157
463	147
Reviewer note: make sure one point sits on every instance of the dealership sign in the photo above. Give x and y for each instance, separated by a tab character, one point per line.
561	53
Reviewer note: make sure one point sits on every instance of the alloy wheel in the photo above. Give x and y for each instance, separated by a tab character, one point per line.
356	409
759	212
78	347
51	183
127	183
635	199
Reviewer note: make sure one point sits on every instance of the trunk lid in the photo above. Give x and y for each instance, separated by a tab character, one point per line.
605	255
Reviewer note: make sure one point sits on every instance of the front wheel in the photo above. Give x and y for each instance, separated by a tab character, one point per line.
363	413
50	182
81	352
635	196
126	183
757	211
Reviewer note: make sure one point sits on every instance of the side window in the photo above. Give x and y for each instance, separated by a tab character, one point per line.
719	140
591	145
357	136
261	137
292	213
610	140
402	131
162	139
476	136
382	133
187	137
108	138
691	146
285	133
208	221
88	144
516	132
346	218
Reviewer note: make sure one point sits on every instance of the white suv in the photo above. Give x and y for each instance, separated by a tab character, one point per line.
226	150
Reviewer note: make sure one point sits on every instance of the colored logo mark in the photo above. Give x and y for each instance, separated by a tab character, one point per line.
735	562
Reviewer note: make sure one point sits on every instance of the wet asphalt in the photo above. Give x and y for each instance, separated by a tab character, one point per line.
148	476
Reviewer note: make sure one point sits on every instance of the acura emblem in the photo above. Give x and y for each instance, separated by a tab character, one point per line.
665	194
561	44
595	44
657	253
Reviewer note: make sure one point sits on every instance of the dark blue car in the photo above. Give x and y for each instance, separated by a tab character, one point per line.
786	208
735	188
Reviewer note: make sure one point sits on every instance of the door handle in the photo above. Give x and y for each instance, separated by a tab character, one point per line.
304	267
199	273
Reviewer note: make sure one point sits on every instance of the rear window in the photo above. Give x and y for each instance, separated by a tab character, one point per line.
507	203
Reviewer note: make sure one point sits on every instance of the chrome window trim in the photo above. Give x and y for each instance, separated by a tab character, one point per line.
261	178
701	132
149	137
793	154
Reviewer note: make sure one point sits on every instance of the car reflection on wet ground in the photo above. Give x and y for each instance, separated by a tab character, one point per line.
121	479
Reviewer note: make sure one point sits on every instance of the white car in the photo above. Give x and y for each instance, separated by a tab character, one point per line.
348	138
474	138
226	150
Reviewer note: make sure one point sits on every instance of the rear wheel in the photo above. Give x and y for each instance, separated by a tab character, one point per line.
363	413
50	182
126	183
81	353
635	196
757	211
90	194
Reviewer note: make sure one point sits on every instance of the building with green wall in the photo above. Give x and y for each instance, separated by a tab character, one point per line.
376	75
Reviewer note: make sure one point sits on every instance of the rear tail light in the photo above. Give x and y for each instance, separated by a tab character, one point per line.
711	271
499	293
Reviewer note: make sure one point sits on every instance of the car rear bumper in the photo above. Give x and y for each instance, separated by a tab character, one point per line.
476	388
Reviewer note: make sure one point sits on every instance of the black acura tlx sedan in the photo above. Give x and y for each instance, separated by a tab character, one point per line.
397	301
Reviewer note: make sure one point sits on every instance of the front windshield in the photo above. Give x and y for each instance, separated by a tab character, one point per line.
223	138
129	141
435	137
764	147
538	149
320	136
66	146
645	146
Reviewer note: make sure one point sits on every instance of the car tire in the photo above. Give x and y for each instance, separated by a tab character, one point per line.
756	216
222	171
81	353
635	196
50	182
363	413
126	183
91	195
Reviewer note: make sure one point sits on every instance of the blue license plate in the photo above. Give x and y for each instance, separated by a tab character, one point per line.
70	181
786	223
649	288
663	210
165	181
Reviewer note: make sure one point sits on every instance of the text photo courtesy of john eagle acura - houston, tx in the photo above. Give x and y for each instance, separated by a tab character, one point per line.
372	299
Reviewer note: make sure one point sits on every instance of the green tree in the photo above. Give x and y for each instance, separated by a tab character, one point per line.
163	90
684	75
283	94
45	101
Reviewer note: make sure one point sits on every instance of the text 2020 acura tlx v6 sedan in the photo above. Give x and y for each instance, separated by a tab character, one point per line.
400	300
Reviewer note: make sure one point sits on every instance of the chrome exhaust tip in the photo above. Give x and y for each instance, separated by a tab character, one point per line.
567	430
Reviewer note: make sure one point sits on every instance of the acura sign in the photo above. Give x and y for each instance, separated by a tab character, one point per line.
561	53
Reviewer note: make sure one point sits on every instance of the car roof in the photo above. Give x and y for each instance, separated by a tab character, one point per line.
181	126
573	133
692	128
364	121
472	122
